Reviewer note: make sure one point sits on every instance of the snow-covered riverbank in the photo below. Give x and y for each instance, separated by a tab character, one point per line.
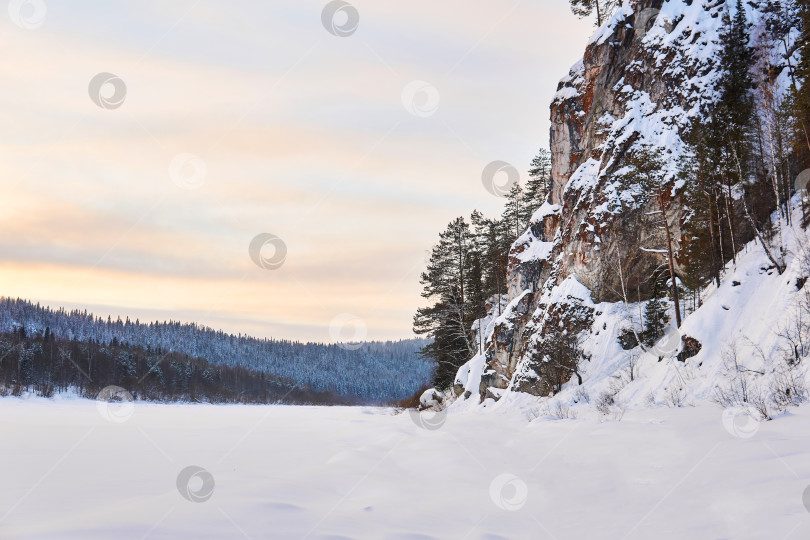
314	472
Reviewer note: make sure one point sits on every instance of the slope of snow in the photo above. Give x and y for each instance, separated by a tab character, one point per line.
329	473
745	315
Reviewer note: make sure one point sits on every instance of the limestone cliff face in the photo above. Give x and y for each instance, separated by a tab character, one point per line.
642	76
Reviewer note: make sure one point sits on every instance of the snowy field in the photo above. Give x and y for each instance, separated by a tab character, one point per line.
315	472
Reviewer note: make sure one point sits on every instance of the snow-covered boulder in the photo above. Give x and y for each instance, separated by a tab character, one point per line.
432	399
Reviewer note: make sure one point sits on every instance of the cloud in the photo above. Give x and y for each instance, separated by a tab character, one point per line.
303	135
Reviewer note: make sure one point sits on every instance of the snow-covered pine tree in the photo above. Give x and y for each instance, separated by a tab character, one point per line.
539	183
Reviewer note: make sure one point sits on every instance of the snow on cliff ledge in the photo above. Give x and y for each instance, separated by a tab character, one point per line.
643	76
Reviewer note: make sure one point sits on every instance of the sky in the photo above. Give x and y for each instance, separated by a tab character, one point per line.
146	146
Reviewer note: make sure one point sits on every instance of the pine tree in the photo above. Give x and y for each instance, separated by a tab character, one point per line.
513	213
735	109
493	244
646	170
655	319
601	8
801	91
699	168
448	320
539	184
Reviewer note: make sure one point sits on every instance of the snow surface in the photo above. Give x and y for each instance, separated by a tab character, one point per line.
329	473
521	467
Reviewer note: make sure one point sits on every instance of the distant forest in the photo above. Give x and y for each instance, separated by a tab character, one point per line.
46	351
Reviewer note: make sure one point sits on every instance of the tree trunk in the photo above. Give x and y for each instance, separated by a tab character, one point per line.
715	268
671	262
780	267
730	224
720	232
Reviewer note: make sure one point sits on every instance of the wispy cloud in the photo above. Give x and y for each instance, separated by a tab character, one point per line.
302	134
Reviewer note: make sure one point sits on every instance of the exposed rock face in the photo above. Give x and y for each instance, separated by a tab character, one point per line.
643	75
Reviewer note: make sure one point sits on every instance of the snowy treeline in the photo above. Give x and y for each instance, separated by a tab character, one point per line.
374	371
45	365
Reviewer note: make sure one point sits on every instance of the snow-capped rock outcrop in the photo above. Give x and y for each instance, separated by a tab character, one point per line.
643	76
650	69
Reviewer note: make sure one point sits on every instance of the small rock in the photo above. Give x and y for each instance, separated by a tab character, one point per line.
627	339
689	348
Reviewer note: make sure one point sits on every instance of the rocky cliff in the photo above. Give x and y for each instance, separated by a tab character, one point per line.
643	75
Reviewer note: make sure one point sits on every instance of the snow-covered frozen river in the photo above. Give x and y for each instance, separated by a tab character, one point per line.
316	472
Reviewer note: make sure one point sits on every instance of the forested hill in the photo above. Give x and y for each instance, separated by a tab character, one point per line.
367	372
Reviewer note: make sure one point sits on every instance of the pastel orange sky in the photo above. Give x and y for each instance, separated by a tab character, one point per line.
302	134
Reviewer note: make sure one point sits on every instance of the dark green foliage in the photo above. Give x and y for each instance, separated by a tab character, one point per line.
44	365
467	269
539	184
656	318
601	8
702	171
645	170
799	103
448	281
514	215
736	106
558	355
373	372
726	161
